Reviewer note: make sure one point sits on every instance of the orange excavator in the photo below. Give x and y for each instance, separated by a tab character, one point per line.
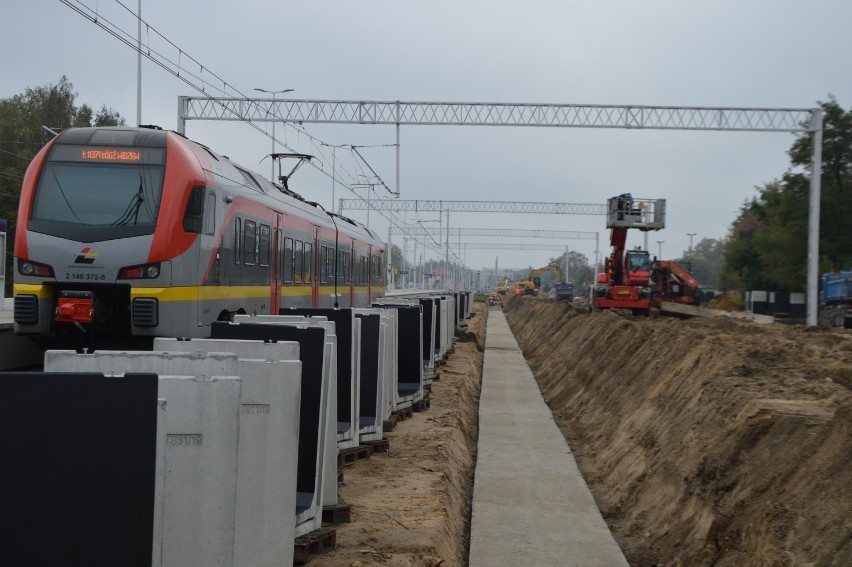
671	282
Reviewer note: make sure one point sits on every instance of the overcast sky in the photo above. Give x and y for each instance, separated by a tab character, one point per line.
743	53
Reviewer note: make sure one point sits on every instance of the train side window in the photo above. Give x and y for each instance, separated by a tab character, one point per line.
194	213
309	262
210	214
238	235
288	260
323	275
263	245
299	259
362	270
250	243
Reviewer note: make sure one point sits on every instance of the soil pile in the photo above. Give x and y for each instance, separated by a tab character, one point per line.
707	441
411	505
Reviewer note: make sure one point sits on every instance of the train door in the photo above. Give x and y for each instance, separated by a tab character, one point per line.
276	266
315	259
369	275
350	273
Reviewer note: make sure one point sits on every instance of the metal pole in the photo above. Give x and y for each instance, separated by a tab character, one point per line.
333	180
397	152
139	65
447	252
813	221
390	254
272	159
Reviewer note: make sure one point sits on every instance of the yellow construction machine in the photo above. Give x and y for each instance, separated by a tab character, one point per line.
533	284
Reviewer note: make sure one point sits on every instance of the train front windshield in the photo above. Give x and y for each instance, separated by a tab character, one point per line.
110	193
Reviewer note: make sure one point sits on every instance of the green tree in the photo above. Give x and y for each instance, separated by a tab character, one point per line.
766	247
705	261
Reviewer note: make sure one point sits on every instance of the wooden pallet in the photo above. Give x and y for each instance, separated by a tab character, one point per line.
380	446
404	413
340	513
308	545
346	457
422	405
389	424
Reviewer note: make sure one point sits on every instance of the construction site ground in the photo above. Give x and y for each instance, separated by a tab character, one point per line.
705	441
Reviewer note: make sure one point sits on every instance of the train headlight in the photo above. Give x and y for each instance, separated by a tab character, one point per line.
140	272
30	268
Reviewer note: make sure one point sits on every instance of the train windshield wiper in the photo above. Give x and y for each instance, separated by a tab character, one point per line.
64	196
132	210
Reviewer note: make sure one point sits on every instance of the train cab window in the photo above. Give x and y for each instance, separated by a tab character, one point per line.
250	243
193	216
263	245
210	214
90	193
299	259
288	260
238	236
308	266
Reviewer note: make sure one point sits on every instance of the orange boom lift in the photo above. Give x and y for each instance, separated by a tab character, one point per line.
625	282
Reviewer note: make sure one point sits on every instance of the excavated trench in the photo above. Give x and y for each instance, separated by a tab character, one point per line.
705	441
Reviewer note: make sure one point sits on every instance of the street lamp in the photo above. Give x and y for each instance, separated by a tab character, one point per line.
690	235
273	93
660	249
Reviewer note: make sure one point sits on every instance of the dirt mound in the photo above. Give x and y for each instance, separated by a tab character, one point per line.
725	302
706	441
411	505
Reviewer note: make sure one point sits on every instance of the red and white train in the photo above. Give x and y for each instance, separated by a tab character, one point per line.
128	232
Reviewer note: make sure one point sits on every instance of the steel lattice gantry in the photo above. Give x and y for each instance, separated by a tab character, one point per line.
506	232
507	246
735	119
495	114
422	206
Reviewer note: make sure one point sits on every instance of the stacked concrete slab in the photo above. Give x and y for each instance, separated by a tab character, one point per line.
376	371
317	466
79	467
226	452
409	344
348	331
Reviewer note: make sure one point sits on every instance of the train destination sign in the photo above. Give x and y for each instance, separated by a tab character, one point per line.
108	154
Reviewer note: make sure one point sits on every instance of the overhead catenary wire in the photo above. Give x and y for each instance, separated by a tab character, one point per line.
196	77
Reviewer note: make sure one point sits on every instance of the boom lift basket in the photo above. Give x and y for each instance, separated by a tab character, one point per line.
626	211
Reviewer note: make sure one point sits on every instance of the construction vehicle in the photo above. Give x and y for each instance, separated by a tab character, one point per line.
671	282
835	300
532	285
626	280
564	291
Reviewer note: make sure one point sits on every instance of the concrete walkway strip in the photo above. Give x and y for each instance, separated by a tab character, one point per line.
530	503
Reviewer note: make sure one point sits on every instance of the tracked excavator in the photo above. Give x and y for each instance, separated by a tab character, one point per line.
672	282
532	285
625	282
